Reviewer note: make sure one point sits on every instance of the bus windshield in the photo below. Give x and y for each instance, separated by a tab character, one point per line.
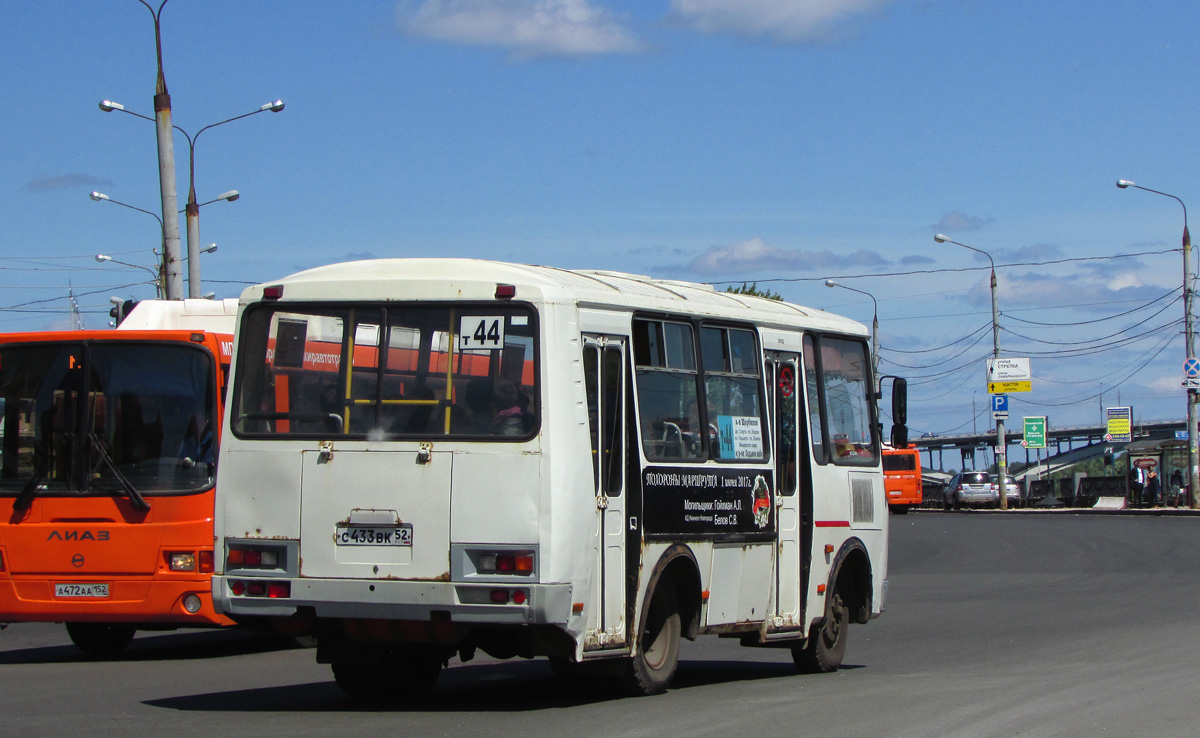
105	418
391	371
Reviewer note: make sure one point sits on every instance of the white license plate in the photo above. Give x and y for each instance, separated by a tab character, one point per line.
81	590
373	535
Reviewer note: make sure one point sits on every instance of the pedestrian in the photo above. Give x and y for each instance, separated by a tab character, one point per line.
1153	488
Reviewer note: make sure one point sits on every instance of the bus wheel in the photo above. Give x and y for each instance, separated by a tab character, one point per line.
900	509
657	648
101	640
826	644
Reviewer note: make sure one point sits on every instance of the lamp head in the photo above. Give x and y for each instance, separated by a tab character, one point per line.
209	248
1123	183
103	258
98	196
108	106
831	283
229	196
274	107
940	238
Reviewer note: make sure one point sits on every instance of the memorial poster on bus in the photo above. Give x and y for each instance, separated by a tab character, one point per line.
708	501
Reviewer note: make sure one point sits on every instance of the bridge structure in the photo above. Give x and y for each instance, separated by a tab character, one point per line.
964	447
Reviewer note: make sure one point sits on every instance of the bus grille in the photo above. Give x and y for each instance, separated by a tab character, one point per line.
862	501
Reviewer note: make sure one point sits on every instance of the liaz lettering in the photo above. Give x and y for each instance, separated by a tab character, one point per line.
77	535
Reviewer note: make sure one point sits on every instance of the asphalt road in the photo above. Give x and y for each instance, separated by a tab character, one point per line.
997	625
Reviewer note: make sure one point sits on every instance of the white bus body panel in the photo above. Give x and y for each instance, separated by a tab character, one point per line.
299	491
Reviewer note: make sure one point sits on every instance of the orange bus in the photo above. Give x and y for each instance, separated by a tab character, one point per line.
107	466
902	478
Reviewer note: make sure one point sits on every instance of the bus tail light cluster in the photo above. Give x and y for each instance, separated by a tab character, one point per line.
518	563
201	561
273	590
252	557
504	596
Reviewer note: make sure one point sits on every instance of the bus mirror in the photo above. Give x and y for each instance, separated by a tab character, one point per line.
900	401
899	412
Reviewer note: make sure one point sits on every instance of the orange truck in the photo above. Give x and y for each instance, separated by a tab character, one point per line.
107	469
902	478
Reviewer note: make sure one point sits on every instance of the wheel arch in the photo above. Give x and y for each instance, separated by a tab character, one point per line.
851	575
678	563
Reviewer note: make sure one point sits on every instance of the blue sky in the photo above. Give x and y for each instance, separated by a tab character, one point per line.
713	140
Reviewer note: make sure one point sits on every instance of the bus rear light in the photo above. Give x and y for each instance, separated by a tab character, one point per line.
519	563
500	596
519	597
252	558
274	292
505	291
181	561
274	590
206	562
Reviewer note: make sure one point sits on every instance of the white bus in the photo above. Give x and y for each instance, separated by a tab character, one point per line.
426	457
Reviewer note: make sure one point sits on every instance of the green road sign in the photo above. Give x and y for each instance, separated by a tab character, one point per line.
1035	433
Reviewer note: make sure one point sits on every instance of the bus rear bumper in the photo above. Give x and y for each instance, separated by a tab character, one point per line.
387	599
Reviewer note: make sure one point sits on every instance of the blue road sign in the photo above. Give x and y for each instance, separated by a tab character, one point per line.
999	406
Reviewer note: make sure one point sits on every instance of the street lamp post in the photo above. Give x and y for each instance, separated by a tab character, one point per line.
874	325
1001	441
192	209
160	282
1189	337
157	273
173	277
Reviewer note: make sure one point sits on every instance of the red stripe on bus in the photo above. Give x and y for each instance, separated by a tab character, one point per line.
833	523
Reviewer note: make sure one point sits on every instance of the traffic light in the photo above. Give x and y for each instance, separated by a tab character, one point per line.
1108	456
120	309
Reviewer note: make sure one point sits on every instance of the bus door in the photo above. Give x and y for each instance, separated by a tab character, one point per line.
604	376
784	384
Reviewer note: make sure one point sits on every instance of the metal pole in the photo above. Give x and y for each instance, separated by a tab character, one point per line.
166	170
1001	445
1188	294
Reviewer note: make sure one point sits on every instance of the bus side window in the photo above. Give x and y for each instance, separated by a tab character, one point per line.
812	391
666	375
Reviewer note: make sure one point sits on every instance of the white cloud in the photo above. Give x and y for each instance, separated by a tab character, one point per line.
529	29
780	20
756	257
956	220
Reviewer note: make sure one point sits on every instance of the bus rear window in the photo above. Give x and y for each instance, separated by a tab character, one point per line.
387	372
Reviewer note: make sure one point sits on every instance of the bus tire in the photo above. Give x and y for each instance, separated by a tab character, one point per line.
826	645
101	640
900	509
656	652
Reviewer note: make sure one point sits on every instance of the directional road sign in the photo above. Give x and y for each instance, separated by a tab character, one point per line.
1035	432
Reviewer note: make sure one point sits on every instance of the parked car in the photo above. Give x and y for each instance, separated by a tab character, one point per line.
1014	498
971	489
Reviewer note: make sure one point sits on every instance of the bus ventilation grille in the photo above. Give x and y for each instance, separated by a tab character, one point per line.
862	501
